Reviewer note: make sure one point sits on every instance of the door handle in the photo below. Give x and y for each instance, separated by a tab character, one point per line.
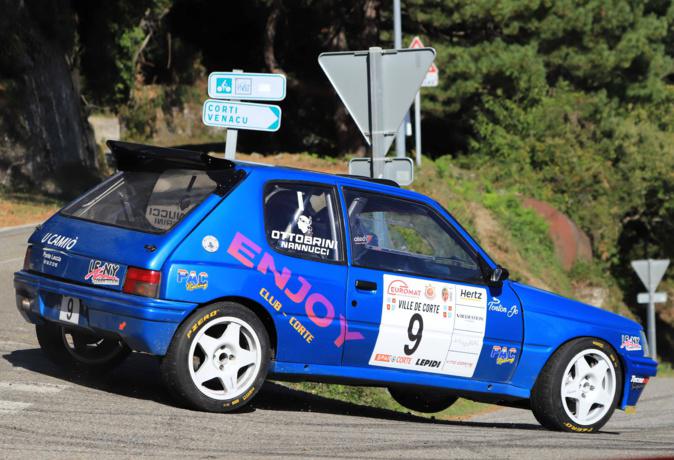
362	285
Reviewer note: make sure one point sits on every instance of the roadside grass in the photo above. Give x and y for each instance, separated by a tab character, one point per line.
665	369
380	398
18	208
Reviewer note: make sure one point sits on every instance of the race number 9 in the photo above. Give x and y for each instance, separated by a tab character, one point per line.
69	309
415	337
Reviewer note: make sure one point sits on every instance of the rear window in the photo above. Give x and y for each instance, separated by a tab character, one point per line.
149	201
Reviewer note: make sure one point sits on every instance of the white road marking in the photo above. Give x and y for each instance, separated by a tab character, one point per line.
18	227
12	407
7	261
8	345
32	387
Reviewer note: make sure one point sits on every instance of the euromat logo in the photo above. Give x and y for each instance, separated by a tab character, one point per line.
399	287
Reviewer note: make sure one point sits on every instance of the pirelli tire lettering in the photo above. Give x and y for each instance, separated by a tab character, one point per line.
200	322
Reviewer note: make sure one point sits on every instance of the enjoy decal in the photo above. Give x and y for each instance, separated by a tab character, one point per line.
317	307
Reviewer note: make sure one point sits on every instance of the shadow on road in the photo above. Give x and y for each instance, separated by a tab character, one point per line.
138	377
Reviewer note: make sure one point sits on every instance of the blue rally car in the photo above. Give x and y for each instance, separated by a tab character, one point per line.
234	272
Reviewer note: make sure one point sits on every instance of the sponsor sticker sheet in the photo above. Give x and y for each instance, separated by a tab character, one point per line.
430	326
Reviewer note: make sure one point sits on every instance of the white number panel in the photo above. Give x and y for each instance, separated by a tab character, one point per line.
70	310
430	326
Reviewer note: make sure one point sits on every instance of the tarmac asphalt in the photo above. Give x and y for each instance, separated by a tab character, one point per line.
45	412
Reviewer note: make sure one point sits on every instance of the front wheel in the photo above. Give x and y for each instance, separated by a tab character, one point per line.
426	401
579	388
78	349
218	359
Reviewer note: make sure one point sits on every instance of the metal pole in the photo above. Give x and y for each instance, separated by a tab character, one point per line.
398	43
651	313
232	136
417	126
230	143
376	112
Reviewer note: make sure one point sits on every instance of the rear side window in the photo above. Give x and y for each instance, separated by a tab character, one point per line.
149	201
301	221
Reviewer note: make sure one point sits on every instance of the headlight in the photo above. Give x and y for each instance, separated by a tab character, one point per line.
644	344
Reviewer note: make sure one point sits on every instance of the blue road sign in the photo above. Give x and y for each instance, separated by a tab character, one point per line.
247	86
241	115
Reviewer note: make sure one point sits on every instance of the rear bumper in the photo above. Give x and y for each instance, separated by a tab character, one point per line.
144	324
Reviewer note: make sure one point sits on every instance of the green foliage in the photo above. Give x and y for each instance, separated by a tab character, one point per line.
665	370
113	36
567	101
523	223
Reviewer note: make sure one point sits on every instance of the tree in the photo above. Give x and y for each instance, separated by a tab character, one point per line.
47	144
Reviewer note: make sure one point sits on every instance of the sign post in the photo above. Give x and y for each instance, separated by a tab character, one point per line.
397	44
377	87
431	79
234	115
650	273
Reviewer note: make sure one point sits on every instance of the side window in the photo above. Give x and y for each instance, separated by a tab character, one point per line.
301	220
397	235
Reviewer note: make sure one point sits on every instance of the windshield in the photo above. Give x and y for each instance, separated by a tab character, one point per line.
149	201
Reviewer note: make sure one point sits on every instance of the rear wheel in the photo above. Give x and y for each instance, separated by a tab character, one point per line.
422	400
218	359
78	349
579	387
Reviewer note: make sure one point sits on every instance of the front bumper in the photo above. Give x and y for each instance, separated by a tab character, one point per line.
638	370
144	324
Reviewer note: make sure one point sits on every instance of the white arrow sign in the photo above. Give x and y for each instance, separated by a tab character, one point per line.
241	115
247	86
650	271
658	297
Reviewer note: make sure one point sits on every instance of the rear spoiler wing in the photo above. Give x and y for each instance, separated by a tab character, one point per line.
129	156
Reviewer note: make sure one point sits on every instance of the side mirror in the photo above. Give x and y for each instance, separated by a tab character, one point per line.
498	275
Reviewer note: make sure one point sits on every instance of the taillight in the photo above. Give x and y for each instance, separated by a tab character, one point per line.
142	282
26	259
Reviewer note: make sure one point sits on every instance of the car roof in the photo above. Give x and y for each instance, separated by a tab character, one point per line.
281	173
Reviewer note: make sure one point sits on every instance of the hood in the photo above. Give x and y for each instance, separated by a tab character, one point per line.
548	303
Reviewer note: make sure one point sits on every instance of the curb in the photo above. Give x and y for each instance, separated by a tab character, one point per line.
18	227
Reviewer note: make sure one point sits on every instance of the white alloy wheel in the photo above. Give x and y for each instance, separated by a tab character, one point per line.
588	387
224	358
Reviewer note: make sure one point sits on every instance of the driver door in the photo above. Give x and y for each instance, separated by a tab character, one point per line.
416	293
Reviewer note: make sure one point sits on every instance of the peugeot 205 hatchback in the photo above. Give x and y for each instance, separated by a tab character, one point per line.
234	272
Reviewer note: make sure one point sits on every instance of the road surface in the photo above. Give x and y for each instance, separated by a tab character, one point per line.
45	412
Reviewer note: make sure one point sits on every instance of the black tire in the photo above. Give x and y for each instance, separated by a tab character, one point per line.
76	349
427	401
547	403
176	372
